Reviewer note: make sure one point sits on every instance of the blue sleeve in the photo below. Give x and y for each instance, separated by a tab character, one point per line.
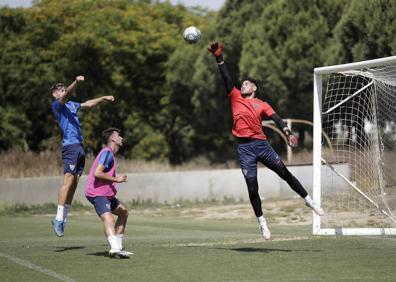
106	159
77	105
56	106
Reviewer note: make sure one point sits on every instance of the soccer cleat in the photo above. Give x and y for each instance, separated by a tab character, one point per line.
58	227
128	253
315	207
118	254
265	231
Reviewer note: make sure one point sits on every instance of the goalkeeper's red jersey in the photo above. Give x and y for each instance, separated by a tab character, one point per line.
247	115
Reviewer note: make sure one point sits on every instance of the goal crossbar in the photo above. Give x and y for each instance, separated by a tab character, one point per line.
357	65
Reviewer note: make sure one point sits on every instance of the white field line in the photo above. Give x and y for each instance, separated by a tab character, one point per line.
32	266
234	242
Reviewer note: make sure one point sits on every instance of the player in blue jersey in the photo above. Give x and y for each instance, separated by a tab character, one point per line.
73	155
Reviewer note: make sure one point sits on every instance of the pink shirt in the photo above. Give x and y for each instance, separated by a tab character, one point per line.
97	187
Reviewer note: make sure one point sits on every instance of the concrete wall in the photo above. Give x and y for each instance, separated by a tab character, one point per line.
167	186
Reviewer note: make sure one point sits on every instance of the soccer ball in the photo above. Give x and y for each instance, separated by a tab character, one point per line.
192	34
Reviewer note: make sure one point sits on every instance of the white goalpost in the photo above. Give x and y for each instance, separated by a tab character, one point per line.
354	179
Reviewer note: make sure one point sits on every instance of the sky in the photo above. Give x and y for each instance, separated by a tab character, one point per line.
210	4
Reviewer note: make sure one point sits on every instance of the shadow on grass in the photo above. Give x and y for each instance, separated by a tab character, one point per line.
106	255
64	249
100	254
265	250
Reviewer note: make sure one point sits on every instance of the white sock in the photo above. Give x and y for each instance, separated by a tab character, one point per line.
261	220
66	211
59	213
120	238
113	241
308	199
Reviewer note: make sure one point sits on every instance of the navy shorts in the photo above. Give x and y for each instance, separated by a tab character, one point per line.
257	151
104	204
73	157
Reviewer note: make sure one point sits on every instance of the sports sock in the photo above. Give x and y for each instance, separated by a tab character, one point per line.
308	199
261	220
114	244
66	211
59	213
120	238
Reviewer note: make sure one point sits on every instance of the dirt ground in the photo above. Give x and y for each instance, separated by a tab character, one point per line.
276	211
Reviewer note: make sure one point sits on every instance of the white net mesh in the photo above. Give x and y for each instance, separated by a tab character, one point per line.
359	119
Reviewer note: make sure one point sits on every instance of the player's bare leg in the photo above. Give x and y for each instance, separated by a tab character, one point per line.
122	213
122	216
68	181
69	199
109	230
72	190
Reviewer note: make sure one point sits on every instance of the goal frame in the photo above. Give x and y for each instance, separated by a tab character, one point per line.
317	146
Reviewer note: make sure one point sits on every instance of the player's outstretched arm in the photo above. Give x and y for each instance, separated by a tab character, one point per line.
100	174
216	49
94	102
63	96
291	138
73	85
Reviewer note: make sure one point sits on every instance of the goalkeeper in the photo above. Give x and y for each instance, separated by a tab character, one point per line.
247	113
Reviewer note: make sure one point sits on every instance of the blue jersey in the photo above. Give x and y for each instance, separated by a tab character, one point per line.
106	159
68	121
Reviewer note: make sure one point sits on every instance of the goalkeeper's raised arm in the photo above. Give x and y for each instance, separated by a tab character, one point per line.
216	49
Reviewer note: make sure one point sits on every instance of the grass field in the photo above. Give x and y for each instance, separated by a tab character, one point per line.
172	248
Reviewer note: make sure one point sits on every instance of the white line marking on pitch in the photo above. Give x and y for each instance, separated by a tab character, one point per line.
234	242
30	265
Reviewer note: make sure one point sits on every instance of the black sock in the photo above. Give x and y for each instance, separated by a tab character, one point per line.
254	196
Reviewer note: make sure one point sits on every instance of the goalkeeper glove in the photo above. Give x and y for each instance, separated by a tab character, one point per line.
292	140
216	49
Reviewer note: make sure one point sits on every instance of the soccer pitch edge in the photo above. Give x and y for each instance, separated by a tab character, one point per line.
186	249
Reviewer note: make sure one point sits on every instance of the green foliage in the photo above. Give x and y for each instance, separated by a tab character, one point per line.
170	99
365	31
284	54
14	126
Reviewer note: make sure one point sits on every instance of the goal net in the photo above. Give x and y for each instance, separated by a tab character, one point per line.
355	148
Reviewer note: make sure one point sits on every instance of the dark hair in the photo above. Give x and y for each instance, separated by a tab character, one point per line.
57	86
252	80
107	133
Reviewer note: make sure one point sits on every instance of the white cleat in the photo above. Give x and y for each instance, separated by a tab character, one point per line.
126	252
265	232
315	207
118	254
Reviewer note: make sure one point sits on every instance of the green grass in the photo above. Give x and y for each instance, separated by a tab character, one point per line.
175	249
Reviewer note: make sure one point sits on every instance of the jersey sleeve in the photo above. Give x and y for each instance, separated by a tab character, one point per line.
267	110
77	105
106	159
56	106
229	84
234	92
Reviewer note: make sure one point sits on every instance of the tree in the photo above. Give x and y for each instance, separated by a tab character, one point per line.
365	31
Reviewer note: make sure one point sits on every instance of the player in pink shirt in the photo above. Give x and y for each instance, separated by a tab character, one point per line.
101	191
248	113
